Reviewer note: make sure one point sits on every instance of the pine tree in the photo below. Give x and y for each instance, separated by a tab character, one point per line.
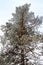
20	36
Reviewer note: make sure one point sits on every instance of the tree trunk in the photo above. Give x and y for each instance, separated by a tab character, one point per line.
22	57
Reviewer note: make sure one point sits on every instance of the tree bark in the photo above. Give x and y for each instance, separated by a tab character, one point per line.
22	57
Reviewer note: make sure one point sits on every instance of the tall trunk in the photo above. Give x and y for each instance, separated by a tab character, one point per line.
22	32
22	57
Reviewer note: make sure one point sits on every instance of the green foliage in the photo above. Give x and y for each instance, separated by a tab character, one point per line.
19	35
